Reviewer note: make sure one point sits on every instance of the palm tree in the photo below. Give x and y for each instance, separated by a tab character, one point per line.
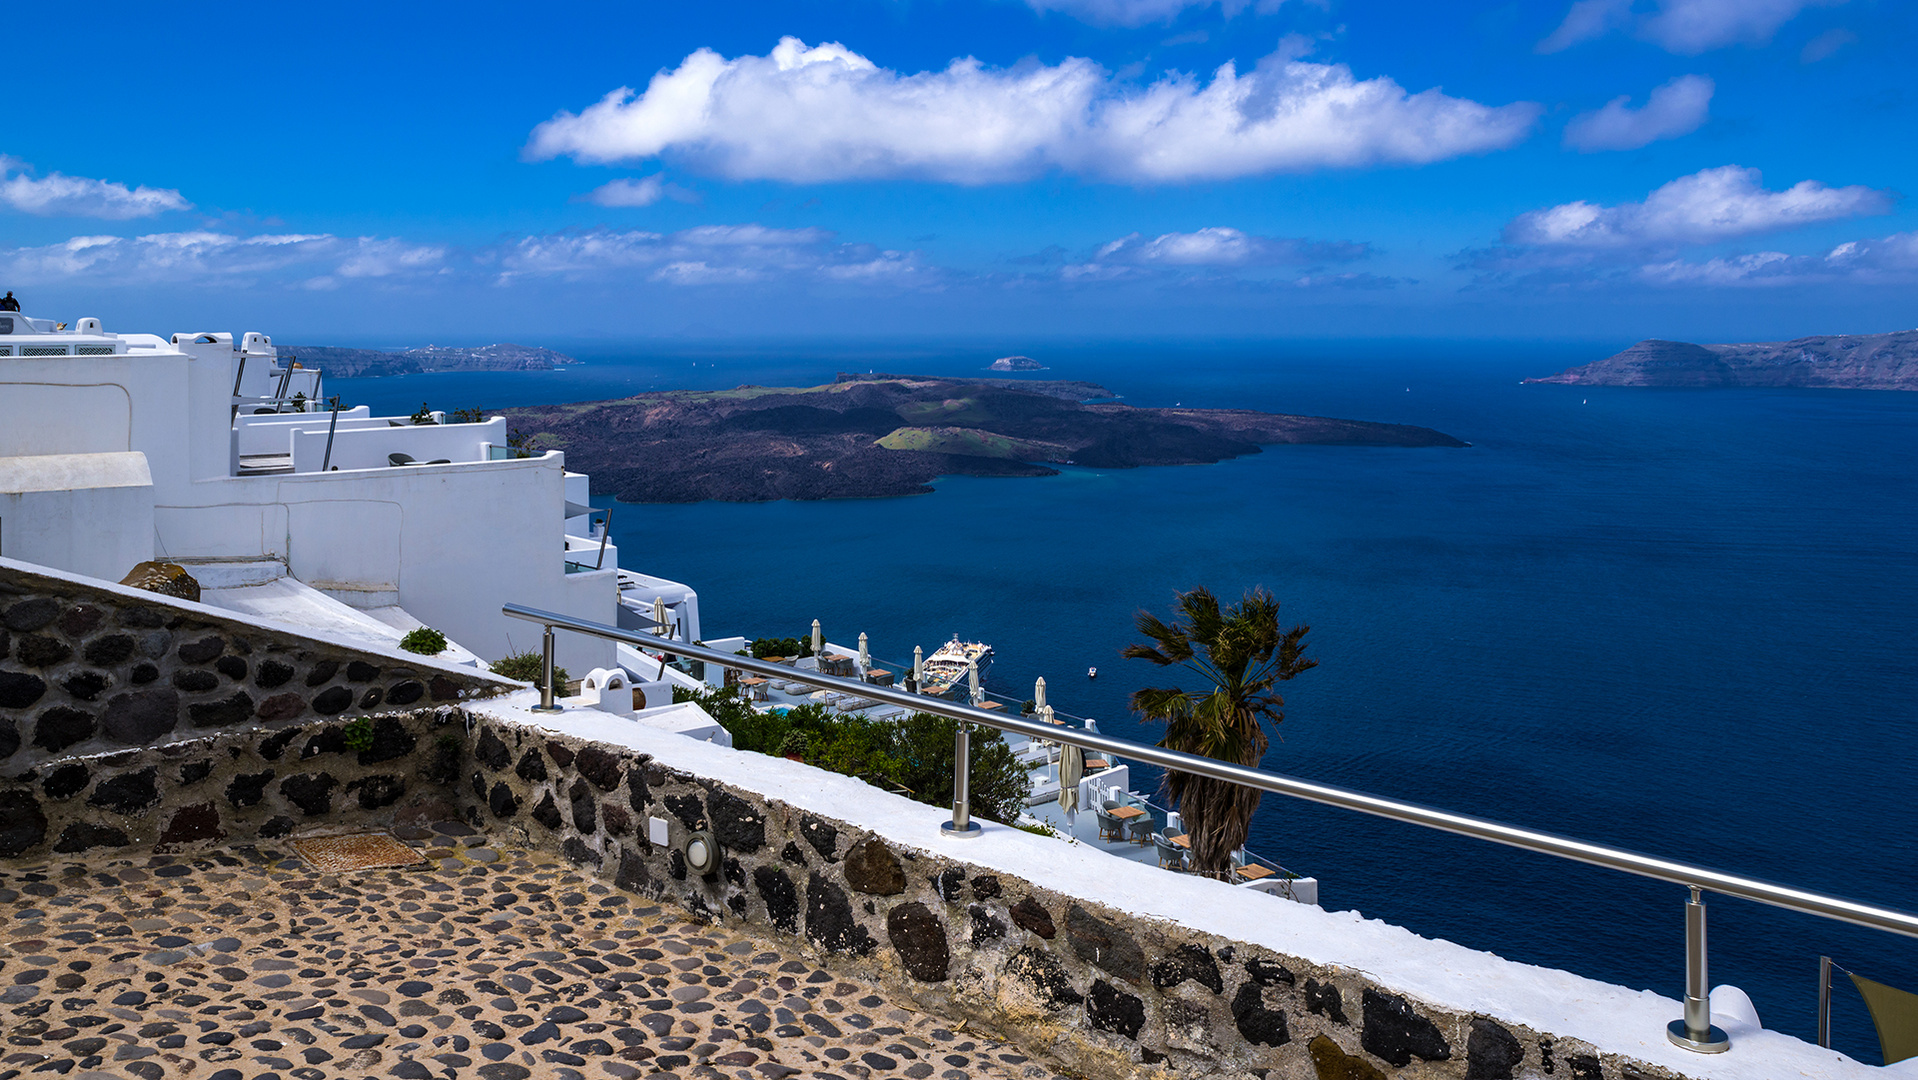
1241	654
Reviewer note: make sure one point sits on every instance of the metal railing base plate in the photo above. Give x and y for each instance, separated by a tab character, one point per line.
970	831
1717	1042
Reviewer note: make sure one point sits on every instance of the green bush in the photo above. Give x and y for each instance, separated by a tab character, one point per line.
359	735
424	416
783	646
915	753
424	640
525	667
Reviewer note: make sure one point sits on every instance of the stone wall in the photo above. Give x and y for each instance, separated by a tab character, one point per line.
87	667
1098	990
195	793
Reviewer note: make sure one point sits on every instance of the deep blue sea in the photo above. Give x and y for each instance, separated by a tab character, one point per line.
1682	622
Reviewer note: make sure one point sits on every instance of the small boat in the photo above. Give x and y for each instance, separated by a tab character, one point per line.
1092	673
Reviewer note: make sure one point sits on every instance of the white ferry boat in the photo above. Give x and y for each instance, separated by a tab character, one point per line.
946	668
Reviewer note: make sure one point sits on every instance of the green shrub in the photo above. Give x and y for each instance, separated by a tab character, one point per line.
525	667
424	640
783	646
359	735
424	416
914	754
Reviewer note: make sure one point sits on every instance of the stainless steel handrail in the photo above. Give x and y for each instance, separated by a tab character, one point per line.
1698	1034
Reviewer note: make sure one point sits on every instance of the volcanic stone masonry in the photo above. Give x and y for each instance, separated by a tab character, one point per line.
133	722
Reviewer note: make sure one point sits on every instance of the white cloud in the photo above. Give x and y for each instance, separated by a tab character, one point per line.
1826	45
59	195
1711	205
203	254
806	114
1680	26
1222	246
1677	108
1586	20
709	255
1886	260
642	192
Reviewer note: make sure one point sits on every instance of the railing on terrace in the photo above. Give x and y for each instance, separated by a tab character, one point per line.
1693	1031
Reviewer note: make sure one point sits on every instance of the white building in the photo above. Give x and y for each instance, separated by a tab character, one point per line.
120	448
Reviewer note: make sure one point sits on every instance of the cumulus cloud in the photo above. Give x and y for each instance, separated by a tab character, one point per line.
711	255
1711	205
1680	26
825	113
204	254
1677	108
59	195
642	192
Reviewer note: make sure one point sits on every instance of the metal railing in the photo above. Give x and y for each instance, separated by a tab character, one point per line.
1694	1031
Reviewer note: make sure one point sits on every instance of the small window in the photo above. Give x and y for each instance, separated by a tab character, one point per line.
6	324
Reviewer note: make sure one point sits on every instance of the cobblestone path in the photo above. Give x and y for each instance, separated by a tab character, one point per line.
490	962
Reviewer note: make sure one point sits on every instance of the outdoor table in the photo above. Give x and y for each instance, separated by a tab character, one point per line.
1126	815
1252	872
1181	840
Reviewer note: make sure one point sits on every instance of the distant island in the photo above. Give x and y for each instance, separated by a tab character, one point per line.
870	436
1835	361
1016	363
371	363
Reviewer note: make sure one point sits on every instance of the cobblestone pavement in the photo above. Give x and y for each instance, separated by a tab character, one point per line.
489	962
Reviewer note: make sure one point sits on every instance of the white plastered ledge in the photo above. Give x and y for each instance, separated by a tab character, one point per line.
1611	1018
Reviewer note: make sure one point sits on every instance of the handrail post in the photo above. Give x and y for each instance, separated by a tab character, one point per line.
1824	1002
961	826
1695	1031
546	674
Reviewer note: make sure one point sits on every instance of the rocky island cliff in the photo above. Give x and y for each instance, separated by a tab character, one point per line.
868	436
368	363
1835	361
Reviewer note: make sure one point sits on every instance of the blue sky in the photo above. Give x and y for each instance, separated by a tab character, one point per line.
1604	169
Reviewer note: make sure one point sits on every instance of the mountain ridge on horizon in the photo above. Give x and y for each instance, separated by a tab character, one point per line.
1827	361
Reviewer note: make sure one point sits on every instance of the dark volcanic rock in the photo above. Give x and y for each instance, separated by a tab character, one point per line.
1257	1023
1491	1052
823	837
85	836
1029	914
1322	999
22	824
1393	1032
61	727
1099	942
311	792
201	821
1111	1009
1188	962
737	824
128	793
830	921
873	869
66	781
920	939
598	766
780	896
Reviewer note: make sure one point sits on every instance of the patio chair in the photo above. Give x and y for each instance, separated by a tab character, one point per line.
1141	830
1110	828
1171	856
397	460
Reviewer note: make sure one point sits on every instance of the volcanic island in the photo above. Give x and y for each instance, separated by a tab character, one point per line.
873	436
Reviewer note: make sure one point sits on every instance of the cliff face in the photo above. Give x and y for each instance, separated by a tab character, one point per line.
368	363
1835	361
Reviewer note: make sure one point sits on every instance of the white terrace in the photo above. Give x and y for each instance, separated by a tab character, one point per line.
120	448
